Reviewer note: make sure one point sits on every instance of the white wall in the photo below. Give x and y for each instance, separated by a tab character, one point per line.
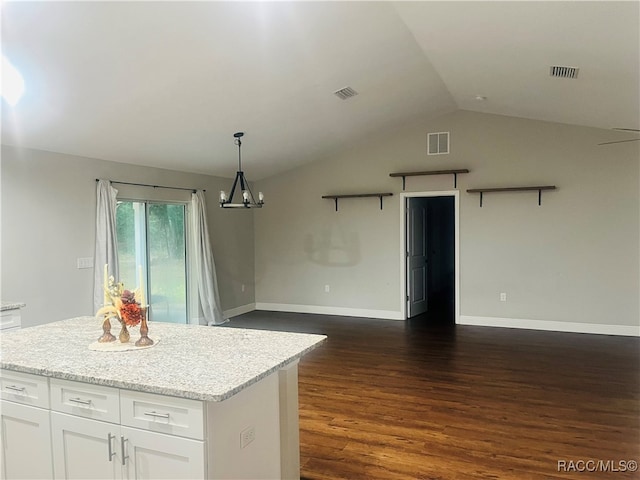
575	259
48	221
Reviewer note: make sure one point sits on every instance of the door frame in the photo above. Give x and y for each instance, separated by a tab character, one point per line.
403	245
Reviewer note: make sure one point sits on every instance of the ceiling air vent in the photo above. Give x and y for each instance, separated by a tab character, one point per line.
344	93
563	72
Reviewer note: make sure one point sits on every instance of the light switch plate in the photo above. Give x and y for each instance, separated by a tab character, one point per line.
85	262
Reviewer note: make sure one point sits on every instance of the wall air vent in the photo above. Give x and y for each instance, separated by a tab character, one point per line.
344	93
438	143
563	72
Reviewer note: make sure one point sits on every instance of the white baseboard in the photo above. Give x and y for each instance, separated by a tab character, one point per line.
554	326
341	311
242	309
548	325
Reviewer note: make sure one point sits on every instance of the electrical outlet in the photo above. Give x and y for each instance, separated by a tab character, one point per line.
247	436
327	289
243	287
503	297
85	262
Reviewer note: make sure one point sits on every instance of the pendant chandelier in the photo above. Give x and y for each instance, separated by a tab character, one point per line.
248	200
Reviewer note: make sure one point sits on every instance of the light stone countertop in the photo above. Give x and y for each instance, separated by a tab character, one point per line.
11	306
189	361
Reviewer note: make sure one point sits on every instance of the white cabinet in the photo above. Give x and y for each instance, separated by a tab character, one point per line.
90	442
26	432
26	442
85	430
150	455
85	449
152	427
77	430
91	449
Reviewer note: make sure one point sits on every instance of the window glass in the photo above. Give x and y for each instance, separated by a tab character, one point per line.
151	244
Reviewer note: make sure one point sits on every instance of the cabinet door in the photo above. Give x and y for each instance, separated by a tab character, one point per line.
151	455
85	449
26	436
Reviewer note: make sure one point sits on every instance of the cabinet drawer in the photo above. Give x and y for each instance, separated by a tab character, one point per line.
85	400
25	388
9	319
158	413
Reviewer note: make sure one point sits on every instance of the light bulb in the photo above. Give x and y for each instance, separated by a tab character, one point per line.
245	196
223	196
261	197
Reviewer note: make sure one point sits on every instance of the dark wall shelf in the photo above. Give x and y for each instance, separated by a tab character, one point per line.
455	173
358	195
538	188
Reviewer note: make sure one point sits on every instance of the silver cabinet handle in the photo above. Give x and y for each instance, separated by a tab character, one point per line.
111	452
80	401
157	415
15	389
122	442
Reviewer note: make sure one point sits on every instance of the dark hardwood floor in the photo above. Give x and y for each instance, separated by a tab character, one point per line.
413	400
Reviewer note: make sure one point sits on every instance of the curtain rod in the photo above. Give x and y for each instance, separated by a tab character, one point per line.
152	186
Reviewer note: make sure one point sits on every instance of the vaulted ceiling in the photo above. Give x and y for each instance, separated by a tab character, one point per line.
167	84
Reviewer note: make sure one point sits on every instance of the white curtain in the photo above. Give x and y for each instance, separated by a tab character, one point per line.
205	269
106	242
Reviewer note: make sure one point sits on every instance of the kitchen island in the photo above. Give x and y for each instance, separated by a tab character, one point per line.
204	402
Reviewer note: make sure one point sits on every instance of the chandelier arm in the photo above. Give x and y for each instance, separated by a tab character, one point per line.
242	185
233	188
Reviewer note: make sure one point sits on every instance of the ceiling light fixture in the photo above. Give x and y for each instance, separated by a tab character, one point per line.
248	200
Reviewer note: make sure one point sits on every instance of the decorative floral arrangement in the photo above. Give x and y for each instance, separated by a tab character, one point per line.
128	307
124	306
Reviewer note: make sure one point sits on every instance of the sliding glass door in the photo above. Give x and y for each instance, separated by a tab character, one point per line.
152	244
